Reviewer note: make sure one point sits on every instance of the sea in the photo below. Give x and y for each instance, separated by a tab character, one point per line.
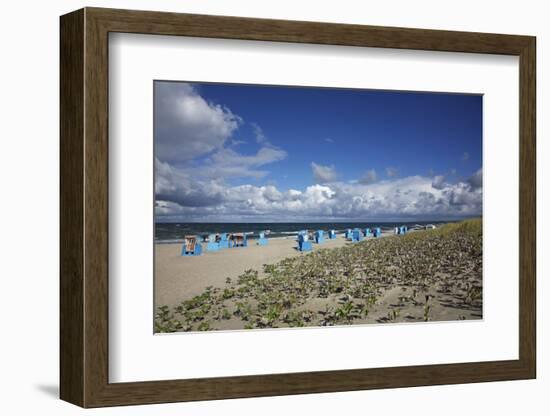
175	232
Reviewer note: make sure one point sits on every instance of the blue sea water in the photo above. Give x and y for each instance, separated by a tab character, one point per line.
175	232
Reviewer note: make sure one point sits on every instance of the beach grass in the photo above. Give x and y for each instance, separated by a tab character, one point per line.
431	275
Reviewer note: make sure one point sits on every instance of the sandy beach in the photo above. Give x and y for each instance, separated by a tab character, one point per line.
429	275
180	277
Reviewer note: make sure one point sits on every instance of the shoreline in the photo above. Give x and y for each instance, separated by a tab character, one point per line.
288	233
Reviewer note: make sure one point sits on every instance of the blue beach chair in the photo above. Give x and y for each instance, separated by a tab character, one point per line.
377	232
401	230
239	240
223	240
262	241
332	234
356	235
191	247
319	236
368	232
348	235
303	243
212	244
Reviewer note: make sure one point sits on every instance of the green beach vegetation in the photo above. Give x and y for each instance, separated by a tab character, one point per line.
430	275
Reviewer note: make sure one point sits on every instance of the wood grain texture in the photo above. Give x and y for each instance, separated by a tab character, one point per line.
84	207
528	208
71	100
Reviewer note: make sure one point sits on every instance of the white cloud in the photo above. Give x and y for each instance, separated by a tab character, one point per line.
465	156
183	188
188	126
197	136
410	197
323	174
196	160
391	172
264	156
259	134
462	195
329	140
369	177
438	182
476	180
227	163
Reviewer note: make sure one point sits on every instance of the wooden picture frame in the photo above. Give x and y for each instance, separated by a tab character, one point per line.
84	207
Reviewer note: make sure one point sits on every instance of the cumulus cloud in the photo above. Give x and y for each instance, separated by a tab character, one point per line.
369	177
196	139
197	160
391	172
188	126
409	197
476	180
182	188
438	182
323	174
329	140
192	186
463	195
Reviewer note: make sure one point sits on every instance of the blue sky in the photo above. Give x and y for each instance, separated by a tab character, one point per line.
414	132
316	153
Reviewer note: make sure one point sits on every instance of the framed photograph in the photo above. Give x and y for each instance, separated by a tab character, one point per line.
255	207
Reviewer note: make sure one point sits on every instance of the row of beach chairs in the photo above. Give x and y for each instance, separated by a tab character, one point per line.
401	230
216	242
305	238
357	234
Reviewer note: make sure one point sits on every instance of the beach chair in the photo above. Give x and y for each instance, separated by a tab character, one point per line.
332	234
190	246
223	240
368	232
239	240
377	232
303	243
349	234
319	236
356	235
301	232
212	243
262	241
401	230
